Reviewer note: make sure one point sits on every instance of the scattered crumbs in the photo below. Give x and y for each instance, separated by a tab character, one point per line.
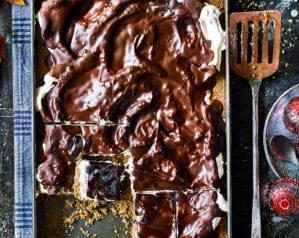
218	90
291	21
120	158
90	211
218	3
134	231
289	37
250	5
124	208
85	232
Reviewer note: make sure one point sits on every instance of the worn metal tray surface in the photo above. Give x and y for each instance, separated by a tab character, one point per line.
271	89
57	216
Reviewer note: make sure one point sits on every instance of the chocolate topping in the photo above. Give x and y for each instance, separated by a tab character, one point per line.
155	215
62	144
99	180
145	63
60	148
145	67
183	157
110	55
196	212
101	140
179	214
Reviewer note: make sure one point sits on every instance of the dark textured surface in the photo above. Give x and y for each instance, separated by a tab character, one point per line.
271	89
273	226
6	128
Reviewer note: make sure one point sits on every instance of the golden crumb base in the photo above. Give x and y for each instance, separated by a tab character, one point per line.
92	212
124	208
222	228
217	3
77	183
122	158
219	89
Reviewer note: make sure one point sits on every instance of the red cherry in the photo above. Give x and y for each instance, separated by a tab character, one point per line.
284	196
2	47
291	115
294	105
283	202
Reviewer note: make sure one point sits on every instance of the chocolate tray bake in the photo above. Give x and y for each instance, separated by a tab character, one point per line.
131	119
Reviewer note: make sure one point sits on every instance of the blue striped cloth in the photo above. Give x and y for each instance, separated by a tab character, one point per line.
22	101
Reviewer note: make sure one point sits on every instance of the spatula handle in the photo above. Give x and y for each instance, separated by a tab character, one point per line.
256	211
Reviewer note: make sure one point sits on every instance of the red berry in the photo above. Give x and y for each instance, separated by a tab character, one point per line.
284	196
2	47
291	115
294	105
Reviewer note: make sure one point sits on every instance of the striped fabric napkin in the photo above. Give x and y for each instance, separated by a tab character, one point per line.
22	101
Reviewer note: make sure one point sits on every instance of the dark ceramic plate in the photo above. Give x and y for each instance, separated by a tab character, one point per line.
274	126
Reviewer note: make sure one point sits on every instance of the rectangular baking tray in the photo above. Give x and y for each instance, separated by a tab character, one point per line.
49	210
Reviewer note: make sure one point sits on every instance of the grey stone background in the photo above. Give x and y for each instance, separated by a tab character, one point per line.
6	128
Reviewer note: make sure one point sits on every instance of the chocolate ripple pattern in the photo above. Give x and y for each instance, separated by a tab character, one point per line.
129	75
122	60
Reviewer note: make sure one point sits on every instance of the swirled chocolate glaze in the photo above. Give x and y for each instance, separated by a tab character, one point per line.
178	214
98	180
145	63
195	214
146	67
155	215
61	145
118	60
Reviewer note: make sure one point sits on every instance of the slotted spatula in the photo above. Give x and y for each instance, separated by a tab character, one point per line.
255	51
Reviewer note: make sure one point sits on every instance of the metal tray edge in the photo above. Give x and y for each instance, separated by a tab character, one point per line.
227	121
34	230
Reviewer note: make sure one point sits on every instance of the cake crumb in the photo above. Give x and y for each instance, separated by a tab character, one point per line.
290	21
124	209
218	3
90	211
85	232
